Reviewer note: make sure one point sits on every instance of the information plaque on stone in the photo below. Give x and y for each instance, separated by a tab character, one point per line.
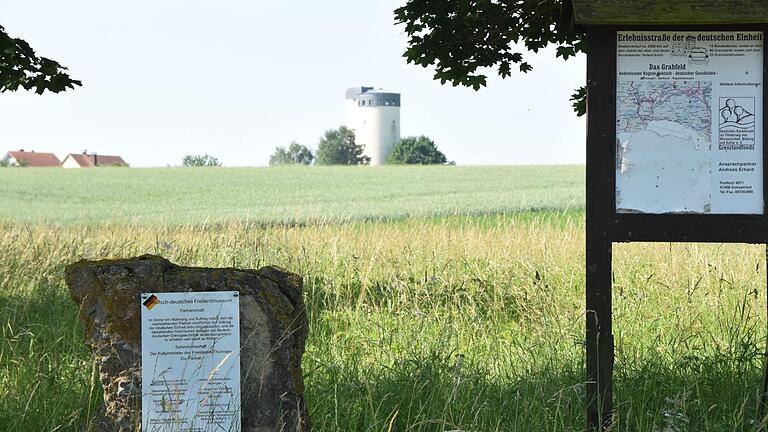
689	122
190	361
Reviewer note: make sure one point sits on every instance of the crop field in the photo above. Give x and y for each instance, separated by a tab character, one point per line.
282	195
461	319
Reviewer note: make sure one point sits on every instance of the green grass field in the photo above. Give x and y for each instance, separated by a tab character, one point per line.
288	194
465	322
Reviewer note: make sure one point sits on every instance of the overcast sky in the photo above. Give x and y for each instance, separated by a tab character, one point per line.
237	78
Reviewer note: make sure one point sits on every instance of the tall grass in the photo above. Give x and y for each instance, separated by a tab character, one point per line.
426	324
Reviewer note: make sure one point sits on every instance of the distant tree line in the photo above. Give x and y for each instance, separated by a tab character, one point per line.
338	147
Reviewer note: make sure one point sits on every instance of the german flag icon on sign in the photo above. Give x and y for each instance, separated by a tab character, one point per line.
151	302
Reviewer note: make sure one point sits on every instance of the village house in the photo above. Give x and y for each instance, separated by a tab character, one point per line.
31	159
85	160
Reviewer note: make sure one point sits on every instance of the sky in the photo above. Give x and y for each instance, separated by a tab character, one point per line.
235	79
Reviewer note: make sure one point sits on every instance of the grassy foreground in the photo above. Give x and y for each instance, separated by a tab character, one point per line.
285	194
426	324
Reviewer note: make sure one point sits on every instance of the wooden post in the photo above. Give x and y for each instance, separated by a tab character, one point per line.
601	143
764	392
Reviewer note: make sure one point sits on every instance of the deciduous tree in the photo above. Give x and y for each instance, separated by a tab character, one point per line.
338	147
296	154
416	150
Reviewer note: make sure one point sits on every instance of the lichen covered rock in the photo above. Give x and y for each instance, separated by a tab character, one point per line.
273	329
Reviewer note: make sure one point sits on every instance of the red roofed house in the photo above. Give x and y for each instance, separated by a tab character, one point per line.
84	160
31	159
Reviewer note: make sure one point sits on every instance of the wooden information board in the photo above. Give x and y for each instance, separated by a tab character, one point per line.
674	153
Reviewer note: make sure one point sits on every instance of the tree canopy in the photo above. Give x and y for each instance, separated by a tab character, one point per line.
21	67
463	38
417	151
338	147
296	154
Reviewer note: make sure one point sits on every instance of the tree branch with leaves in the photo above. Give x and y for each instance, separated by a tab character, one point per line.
463	38
20	67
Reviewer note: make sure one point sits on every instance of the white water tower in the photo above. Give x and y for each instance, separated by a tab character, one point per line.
374	115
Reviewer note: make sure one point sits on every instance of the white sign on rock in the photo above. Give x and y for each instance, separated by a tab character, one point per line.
689	122
190	362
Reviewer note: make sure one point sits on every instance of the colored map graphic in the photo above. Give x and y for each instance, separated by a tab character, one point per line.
664	133
687	103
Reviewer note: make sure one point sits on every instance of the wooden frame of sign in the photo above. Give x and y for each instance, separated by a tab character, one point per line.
605	225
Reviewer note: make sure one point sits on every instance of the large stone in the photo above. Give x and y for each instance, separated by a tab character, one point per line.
273	329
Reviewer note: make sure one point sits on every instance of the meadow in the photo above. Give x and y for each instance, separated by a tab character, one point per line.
463	319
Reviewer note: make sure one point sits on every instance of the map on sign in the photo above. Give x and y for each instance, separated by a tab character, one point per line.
689	122
675	119
686	104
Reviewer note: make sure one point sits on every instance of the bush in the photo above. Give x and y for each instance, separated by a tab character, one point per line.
5	162
338	147
205	160
416	150
296	154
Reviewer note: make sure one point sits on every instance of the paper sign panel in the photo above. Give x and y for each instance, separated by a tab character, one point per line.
190	362
689	122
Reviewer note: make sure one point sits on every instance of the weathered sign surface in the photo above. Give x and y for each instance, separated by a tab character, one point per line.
190	361
689	122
